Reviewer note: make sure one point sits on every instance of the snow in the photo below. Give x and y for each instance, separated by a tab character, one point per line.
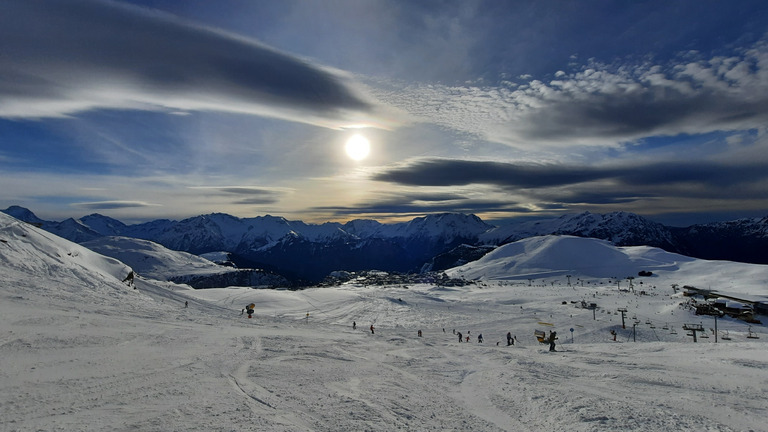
81	350
153	260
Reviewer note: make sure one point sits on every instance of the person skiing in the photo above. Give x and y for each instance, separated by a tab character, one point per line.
419	333
552	338
480	338
459	333
372	329
186	304
354	325
510	341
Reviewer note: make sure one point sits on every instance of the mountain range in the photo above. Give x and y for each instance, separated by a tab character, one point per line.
305	252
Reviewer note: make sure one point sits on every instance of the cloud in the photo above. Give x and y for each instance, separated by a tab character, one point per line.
251	194
450	172
59	58
111	205
608	183
404	207
604	104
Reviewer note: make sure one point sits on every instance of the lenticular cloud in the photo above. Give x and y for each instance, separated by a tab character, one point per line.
61	58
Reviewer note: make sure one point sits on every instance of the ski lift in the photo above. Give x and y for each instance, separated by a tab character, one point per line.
725	336
648	322
673	331
704	335
666	327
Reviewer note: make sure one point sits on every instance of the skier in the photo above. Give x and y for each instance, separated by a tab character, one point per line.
510	341
372	329
354	325
480	338
552	338
419	333
186	304
459	333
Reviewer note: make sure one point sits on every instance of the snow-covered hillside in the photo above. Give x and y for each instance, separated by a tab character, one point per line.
29	253
154	261
590	260
151	259
81	350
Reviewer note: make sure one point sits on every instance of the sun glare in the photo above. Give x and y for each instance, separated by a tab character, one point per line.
358	147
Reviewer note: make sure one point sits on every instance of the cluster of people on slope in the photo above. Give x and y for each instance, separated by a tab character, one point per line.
462	338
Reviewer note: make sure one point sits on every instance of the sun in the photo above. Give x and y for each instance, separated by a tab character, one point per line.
358	147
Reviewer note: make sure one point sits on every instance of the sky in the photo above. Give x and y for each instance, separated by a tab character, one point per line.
150	109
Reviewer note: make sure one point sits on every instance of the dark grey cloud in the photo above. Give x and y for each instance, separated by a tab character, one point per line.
111	205
447	172
61	57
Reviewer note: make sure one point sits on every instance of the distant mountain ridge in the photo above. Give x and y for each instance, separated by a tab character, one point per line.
309	252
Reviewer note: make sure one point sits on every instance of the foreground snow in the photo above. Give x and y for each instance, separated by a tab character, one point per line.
85	352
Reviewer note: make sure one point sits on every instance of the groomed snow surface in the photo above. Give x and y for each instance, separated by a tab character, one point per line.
82	351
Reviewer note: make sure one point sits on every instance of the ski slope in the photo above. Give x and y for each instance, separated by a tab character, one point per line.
81	351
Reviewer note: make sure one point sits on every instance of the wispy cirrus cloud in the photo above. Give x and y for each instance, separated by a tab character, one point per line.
60	58
604	104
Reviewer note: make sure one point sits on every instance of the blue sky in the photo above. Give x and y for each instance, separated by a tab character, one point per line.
507	109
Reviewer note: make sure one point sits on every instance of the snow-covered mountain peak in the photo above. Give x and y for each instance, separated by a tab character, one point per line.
443	225
103	225
23	214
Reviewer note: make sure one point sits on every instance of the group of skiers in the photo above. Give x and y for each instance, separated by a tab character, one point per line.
510	339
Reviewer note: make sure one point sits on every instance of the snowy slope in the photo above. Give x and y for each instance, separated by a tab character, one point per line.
82	351
27	250
591	259
152	260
